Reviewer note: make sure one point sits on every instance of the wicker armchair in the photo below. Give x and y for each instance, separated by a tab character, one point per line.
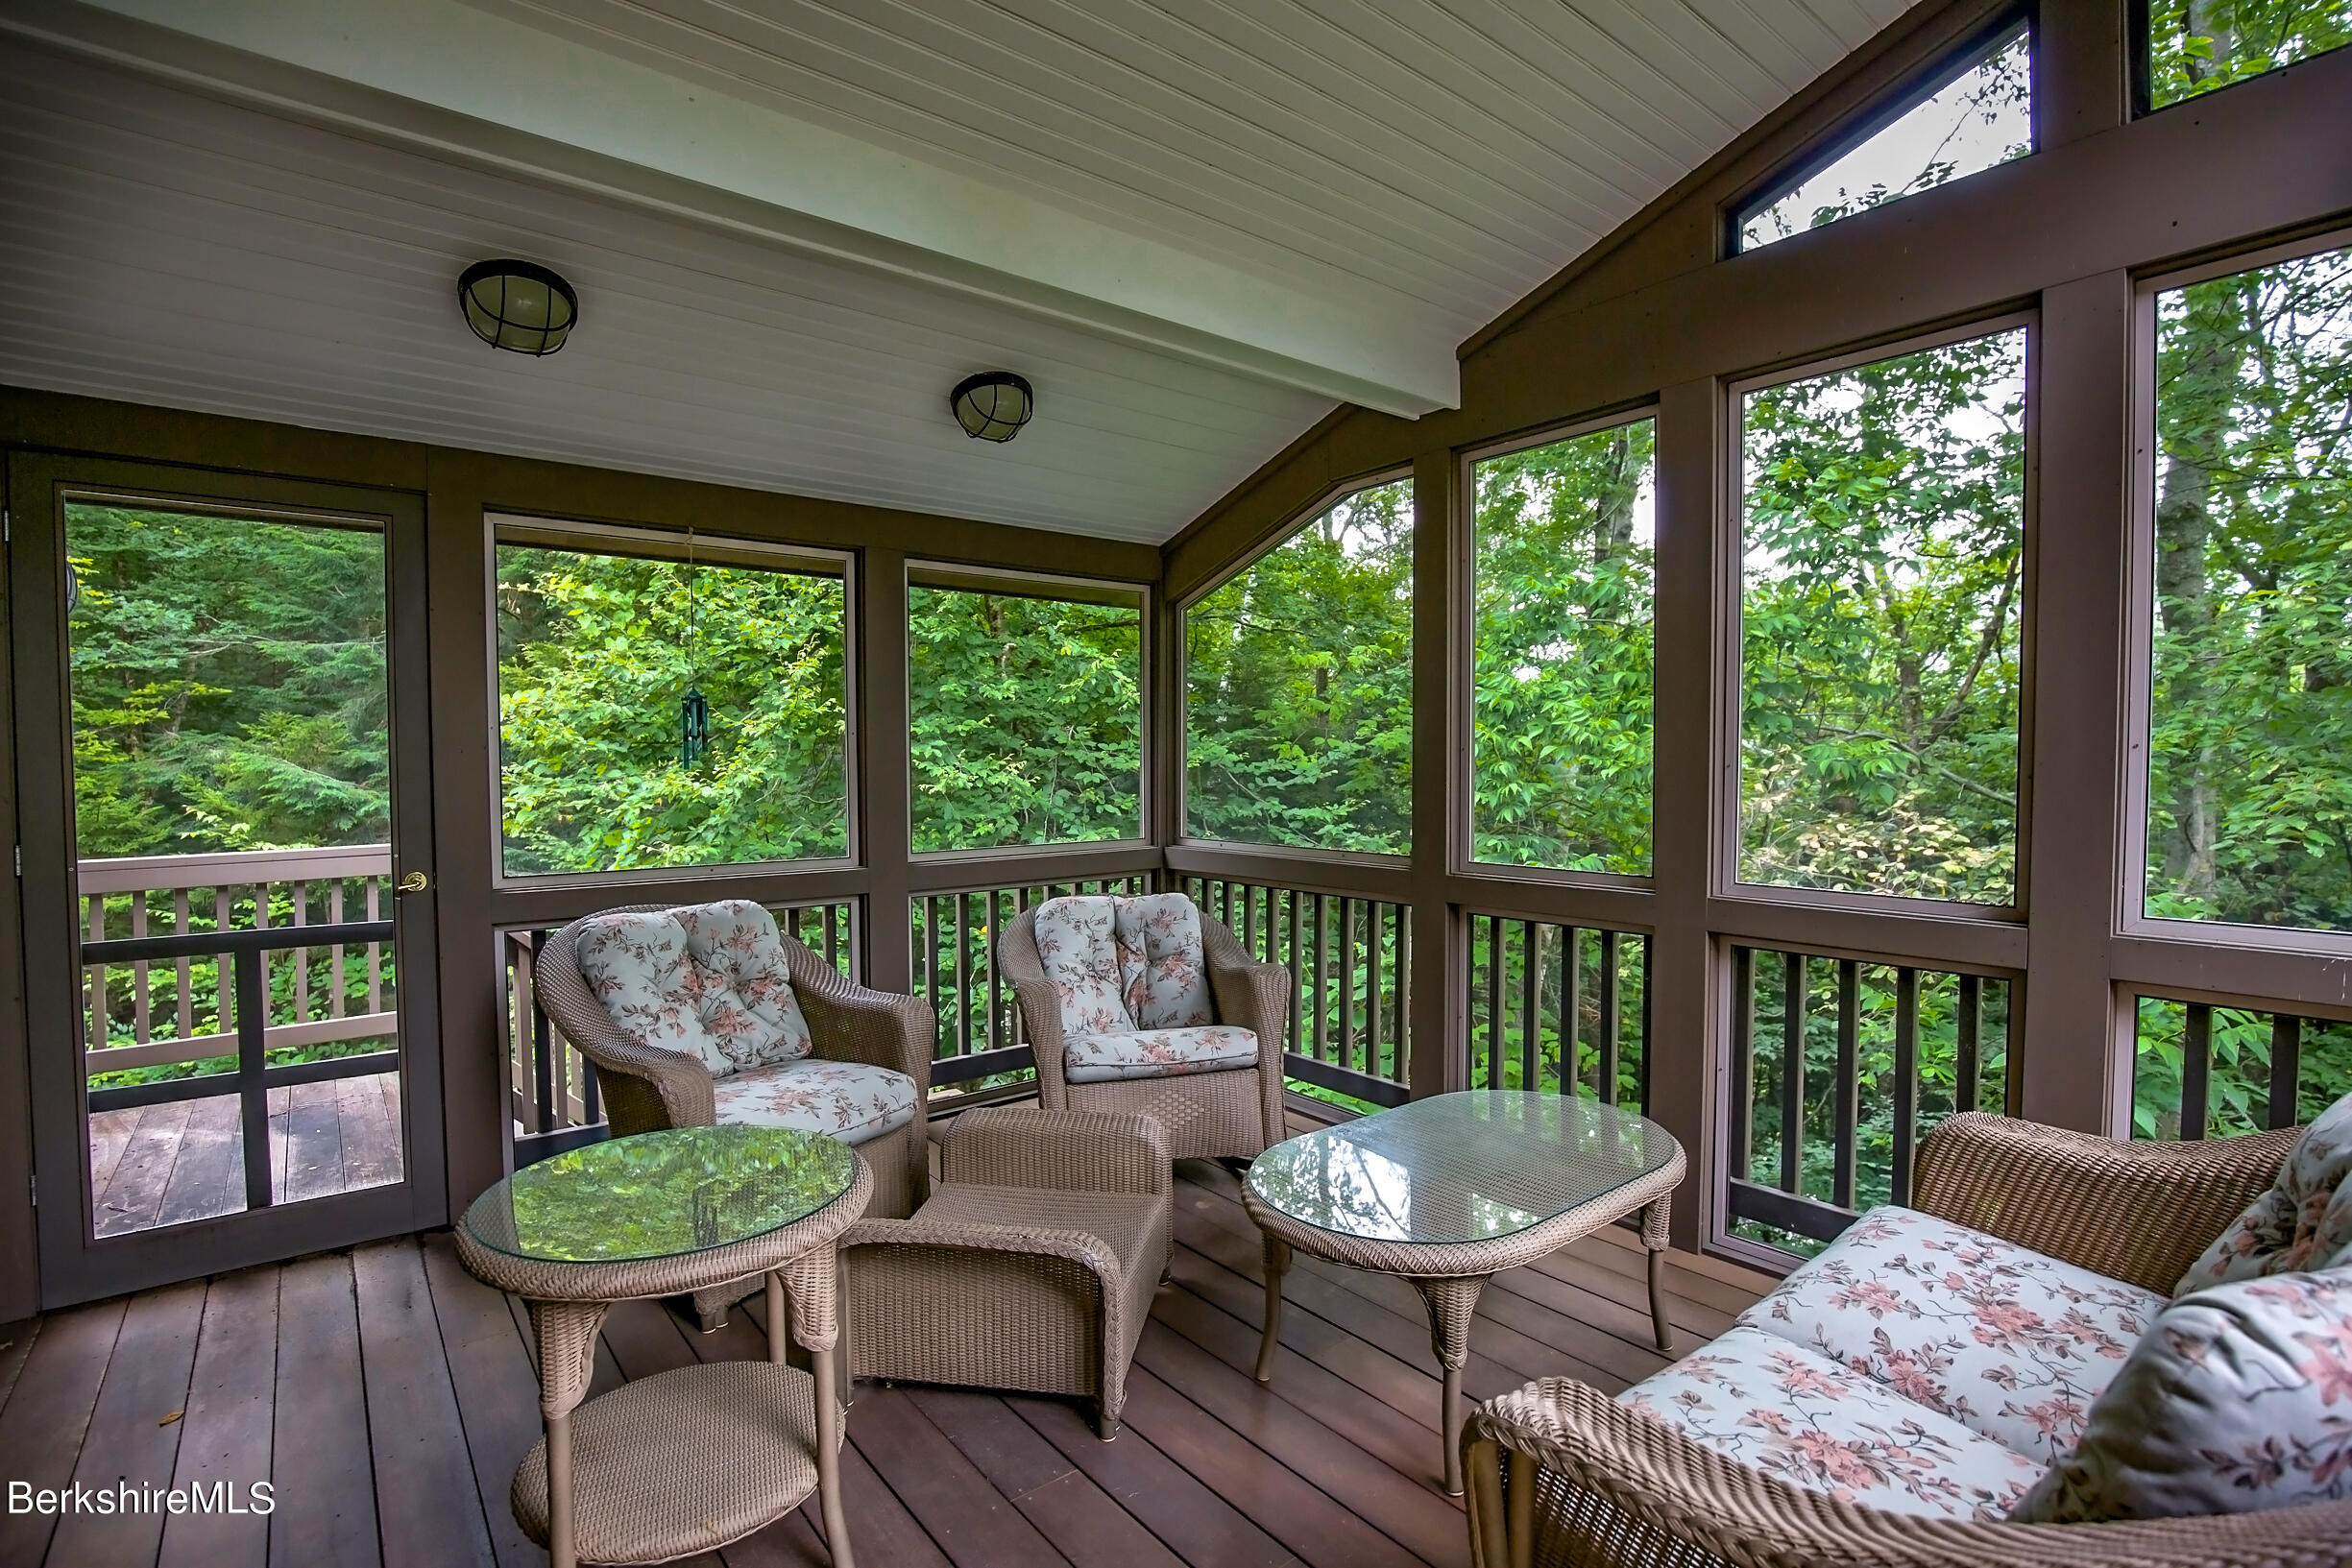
1031	1267
1235	1112
1561	1473
645	1087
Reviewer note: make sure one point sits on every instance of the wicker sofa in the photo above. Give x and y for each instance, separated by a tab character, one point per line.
645	1087
1562	1473
1233	1111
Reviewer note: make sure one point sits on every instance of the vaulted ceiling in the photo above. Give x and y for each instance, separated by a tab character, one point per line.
793	225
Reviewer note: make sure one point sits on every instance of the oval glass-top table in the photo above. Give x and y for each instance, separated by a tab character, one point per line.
1447	1191
692	1458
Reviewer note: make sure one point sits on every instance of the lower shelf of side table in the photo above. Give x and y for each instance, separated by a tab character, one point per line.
680	1462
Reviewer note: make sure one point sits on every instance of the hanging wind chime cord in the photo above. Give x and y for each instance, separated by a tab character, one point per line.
693	712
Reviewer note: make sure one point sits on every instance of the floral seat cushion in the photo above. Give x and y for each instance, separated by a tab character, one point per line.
1164	976
1156	1053
708	979
2007	1342
1819	1424
2239	1399
2303	1222
854	1102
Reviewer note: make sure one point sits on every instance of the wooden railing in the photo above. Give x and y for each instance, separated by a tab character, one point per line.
2200	1069
1838	1067
316	992
1561	1009
1350	961
983	1045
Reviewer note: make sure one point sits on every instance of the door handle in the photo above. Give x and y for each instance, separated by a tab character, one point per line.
416	882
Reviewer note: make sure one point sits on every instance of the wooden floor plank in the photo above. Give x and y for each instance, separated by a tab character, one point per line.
1180	1510
110	1134
415	1433
969	1519
1063	1501
135	1190
371	1133
47	1416
314	1143
15	1343
1425	1524
208	1175
319	1462
134	1429
497	1391
225	1436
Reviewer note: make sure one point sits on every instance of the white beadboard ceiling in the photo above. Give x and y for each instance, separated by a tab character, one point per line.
793	225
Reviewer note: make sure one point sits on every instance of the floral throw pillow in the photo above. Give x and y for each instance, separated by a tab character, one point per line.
1163	971
743	984
639	967
1078	949
2239	1399
2303	1222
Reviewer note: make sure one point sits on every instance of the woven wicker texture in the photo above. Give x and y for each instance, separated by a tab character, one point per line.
1560	1472
1235	1112
1033	1265
681	1463
2137	1211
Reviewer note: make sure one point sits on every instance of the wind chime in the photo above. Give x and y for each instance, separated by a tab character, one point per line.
693	712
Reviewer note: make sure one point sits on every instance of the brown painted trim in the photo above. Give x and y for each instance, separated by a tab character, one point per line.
1386	877
1440	1033
884	811
2267	982
19	1252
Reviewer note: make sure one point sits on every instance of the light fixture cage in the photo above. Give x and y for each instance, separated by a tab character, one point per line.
517	305
993	406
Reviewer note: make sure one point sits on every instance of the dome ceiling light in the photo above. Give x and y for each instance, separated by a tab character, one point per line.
993	406
517	305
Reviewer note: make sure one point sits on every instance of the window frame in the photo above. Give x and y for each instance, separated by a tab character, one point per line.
2136	755
2139	67
665	542
946	574
1179	663
1462	836
1724	883
1916	86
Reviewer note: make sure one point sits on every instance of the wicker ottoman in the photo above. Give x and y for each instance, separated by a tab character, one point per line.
1031	1267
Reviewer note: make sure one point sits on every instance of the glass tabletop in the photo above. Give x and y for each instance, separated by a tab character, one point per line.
662	1194
1469	1167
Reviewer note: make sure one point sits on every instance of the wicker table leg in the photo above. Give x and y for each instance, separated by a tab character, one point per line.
564	1333
1451	1303
1277	1264
1653	1238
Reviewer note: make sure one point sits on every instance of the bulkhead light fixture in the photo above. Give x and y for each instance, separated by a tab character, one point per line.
993	406
519	306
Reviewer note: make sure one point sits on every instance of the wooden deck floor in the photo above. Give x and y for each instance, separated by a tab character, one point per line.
160	1165
388	1397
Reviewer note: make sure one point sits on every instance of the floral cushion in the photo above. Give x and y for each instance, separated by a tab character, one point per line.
1077	948
2005	1341
1823	1426
2239	1400
1164	973
2303	1222
637	966
854	1102
1155	1054
746	996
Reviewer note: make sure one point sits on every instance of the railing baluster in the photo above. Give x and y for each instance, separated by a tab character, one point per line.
1572	1011
1968	1023
1612	1009
221	985
139	972
2196	1069
1848	1087
1907	1080
376	951
931	957
1531	1021
186	1002
1494	1001
1641	1072
2285	1068
1743	1062
543	1058
253	1092
1371	986
1347	983
988	929
832	936
1323	975
1792	1073
964	976
1297	925
335	1007
1406	1043
96	976
302	956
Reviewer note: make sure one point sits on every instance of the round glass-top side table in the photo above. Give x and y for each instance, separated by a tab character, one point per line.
1447	1191
692	1458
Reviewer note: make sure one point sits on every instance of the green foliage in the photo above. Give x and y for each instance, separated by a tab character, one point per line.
1499	1021
1564	567
595	653
1026	720
2196	46
228	687
1298	713
2249	798
2238	1083
1885	523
